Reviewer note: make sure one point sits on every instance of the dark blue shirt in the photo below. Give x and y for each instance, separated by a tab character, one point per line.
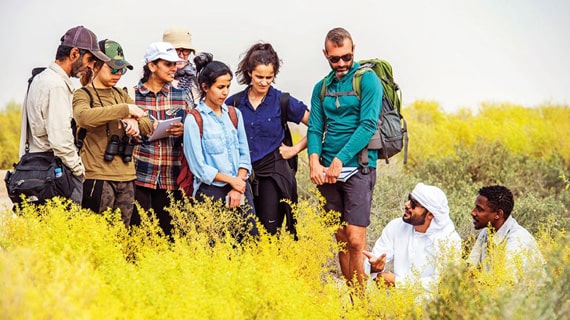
263	125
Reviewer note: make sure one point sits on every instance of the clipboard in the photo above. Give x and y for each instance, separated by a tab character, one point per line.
163	125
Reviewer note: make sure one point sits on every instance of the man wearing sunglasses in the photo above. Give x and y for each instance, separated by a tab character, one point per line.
339	128
417	245
47	110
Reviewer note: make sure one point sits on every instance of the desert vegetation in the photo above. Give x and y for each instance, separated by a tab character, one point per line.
61	261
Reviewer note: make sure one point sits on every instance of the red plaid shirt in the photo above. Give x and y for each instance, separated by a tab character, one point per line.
158	162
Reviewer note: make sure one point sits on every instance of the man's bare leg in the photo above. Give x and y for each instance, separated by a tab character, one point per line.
344	256
352	260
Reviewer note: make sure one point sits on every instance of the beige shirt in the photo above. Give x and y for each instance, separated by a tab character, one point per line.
47	106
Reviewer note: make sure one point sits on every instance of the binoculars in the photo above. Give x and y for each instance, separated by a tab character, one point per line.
117	146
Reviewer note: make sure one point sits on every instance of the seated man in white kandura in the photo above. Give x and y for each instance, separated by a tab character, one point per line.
418	243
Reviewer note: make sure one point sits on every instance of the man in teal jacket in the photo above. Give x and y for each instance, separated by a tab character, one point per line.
340	126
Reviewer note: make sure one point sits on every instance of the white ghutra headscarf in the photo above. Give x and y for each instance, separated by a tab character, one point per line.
434	200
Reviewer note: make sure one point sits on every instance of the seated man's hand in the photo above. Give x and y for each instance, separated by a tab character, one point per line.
377	264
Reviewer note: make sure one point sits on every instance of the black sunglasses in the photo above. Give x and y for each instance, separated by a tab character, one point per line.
121	70
413	202
346	58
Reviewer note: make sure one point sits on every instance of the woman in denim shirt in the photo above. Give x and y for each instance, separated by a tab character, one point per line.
219	158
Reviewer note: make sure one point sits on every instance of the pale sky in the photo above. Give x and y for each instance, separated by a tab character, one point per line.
458	53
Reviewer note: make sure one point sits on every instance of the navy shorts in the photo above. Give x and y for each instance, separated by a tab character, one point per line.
353	198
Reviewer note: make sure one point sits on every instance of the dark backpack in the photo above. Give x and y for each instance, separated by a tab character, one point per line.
391	135
288	139
37	176
185	179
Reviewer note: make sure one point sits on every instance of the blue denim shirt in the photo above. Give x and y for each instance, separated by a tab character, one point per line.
222	148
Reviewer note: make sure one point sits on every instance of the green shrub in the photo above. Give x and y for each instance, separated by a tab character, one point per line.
60	261
536	183
10	119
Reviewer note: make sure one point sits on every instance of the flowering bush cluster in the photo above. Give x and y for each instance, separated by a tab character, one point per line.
61	261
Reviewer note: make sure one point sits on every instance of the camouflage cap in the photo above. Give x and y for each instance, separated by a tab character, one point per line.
114	51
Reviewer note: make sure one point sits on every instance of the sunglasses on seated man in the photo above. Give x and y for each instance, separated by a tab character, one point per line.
413	202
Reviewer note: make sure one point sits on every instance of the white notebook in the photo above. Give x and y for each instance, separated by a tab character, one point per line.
163	125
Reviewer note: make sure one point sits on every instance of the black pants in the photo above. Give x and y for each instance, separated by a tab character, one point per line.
268	207
156	199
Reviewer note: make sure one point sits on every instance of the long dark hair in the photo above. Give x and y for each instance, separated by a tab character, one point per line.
259	53
209	70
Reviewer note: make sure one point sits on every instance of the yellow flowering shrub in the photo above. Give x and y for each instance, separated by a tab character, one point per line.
61	261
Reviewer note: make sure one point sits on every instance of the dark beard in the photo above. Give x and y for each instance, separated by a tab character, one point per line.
416	221
343	72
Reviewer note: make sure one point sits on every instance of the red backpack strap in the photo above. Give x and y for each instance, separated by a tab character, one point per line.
185	179
198	118
233	115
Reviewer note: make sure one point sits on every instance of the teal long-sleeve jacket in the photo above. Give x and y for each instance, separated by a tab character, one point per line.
349	124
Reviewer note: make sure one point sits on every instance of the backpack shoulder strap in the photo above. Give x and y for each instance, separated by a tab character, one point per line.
80	134
233	115
198	118
237	97
284	104
357	79
200	122
324	90
35	72
326	93
90	96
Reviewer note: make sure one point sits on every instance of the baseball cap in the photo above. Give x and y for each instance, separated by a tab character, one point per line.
114	51
161	50
179	38
83	38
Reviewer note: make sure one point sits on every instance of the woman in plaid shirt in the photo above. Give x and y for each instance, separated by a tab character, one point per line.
158	162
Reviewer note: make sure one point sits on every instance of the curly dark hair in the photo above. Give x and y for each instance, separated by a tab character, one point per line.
259	53
499	197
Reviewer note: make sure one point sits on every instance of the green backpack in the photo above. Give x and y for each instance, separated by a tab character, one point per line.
391	135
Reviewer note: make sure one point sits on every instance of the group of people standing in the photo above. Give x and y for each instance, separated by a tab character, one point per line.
118	164
234	144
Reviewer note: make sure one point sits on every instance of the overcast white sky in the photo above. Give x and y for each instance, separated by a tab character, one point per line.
458	53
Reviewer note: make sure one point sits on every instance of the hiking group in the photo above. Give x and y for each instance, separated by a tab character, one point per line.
238	149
